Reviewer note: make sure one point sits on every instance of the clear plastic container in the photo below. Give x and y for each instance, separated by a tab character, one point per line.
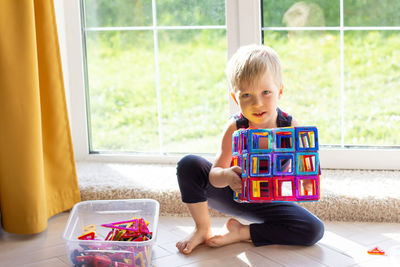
100	252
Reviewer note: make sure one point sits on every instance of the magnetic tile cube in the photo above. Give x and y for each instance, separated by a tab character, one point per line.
260	141
237	160
307	163
260	189
244	164
236	143
260	165
245	189
244	195
284	188
306	139
301	193
277	163
284	163
283	139
244	138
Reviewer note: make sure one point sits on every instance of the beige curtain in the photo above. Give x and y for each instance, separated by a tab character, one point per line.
37	167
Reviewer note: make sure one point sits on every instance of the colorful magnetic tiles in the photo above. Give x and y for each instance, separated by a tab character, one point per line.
132	230
115	254
280	164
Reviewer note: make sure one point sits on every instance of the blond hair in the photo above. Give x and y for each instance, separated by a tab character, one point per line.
249	63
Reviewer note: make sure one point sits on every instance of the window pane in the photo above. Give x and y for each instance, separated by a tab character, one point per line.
311	73
371	13
123	101
294	13
106	13
193	88
372	88
189	13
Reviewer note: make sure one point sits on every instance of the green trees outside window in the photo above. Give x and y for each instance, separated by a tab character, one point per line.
161	87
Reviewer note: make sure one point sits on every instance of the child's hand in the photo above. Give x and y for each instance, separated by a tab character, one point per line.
233	177
308	185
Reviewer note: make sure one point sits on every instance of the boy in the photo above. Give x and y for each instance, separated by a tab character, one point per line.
255	80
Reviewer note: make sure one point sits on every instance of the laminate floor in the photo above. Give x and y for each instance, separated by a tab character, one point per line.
344	244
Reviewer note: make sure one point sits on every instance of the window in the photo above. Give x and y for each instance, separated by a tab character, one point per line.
155	75
340	67
341	61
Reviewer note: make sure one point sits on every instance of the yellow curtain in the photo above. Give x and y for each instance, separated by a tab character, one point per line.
37	166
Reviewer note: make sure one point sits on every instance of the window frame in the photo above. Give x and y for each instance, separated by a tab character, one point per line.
243	25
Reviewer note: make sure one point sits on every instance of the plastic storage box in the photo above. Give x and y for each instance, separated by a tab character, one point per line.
98	212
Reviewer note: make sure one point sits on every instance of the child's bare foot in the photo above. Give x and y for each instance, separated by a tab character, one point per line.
199	236
236	232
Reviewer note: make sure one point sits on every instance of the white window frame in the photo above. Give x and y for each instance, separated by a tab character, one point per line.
243	24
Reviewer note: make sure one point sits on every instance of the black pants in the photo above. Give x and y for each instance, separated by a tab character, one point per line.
284	223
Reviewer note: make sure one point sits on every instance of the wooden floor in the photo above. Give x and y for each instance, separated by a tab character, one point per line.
344	244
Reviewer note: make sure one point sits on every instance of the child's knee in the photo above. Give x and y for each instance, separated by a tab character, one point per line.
192	178
193	168
315	232
187	163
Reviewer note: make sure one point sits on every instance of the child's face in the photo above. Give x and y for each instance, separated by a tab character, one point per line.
258	102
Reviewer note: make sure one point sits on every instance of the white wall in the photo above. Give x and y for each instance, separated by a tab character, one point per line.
69	31
60	17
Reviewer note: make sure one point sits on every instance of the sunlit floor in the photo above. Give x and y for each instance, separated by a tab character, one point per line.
344	244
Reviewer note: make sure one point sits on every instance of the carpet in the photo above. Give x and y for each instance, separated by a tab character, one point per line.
346	195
